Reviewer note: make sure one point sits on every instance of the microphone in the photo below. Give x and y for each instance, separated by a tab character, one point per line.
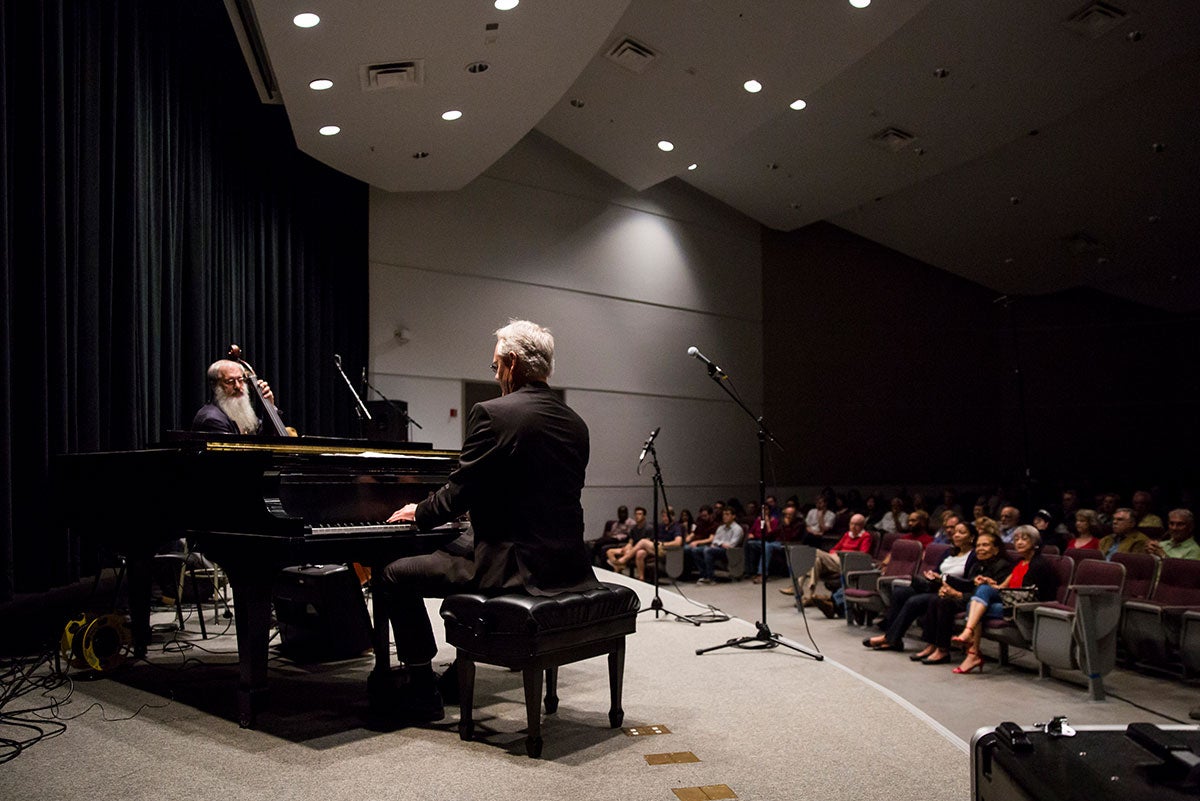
337	359
648	443
712	368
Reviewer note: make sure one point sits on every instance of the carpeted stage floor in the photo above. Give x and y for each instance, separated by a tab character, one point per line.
769	724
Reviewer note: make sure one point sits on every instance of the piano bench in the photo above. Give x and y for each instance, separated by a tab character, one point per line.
539	633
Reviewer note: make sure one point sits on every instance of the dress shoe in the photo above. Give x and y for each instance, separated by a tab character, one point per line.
788	590
416	698
941	661
890	646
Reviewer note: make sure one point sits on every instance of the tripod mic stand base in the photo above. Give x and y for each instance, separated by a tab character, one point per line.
762	640
656	606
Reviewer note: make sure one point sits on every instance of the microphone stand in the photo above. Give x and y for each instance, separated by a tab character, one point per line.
656	604
360	408
764	638
396	408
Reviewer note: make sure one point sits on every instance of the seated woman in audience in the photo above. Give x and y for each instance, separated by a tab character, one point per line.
1087	530
1033	571
669	534
909	602
989	562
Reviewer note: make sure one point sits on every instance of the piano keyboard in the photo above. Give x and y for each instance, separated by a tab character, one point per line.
359	529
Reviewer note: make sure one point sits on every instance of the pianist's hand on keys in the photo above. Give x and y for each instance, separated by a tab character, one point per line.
408	513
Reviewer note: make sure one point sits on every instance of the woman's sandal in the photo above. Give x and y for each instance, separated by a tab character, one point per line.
974	652
964	637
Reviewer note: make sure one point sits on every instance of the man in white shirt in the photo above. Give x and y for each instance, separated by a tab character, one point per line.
728	535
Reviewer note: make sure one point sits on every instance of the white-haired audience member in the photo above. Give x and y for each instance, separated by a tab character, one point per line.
1181	524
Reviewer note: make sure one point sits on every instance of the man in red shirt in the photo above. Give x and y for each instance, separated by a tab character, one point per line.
812	585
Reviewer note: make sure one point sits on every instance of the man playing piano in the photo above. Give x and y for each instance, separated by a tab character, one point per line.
519	476
230	410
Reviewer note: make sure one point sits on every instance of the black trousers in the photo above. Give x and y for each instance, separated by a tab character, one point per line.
404	586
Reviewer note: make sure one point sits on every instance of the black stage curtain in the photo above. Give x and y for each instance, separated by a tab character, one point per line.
154	212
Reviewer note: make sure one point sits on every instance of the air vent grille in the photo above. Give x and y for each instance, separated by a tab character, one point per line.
1095	19
632	55
393	75
893	139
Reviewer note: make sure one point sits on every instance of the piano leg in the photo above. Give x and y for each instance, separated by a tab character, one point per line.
138	574
252	615
380	684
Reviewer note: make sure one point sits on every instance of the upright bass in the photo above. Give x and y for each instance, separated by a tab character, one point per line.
274	423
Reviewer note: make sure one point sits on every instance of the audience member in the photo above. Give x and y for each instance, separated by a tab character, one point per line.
896	519
819	520
668	534
990	562
728	535
1087	530
618	556
1144	518
909	601
873	511
812	585
918	527
945	533
616	533
760	542
1106	508
949	504
1033	571
1043	521
1067	510
1010	518
1125	537
1181	544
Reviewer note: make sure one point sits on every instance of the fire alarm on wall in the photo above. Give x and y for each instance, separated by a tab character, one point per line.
454	412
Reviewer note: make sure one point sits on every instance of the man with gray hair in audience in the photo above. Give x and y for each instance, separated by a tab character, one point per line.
1181	524
1010	519
1125	537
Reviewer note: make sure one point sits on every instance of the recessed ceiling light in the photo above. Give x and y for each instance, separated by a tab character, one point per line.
860	3
796	105
752	86
693	166
320	84
421	154
476	67
506	5
329	130
665	146
306	20
450	116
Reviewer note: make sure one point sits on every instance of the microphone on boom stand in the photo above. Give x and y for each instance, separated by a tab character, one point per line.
360	408
660	554
765	638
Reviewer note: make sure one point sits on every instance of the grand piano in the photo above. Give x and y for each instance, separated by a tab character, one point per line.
254	506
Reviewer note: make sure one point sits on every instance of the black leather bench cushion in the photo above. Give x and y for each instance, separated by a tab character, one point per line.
525	625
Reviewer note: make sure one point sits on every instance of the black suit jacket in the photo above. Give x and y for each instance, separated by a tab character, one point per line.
520	476
210	417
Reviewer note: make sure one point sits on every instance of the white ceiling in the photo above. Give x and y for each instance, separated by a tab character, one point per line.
1046	156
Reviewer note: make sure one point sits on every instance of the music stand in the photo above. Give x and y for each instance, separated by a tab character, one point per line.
764	638
656	603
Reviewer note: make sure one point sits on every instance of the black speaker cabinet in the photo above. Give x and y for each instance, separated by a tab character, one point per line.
1138	762
321	613
388	423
